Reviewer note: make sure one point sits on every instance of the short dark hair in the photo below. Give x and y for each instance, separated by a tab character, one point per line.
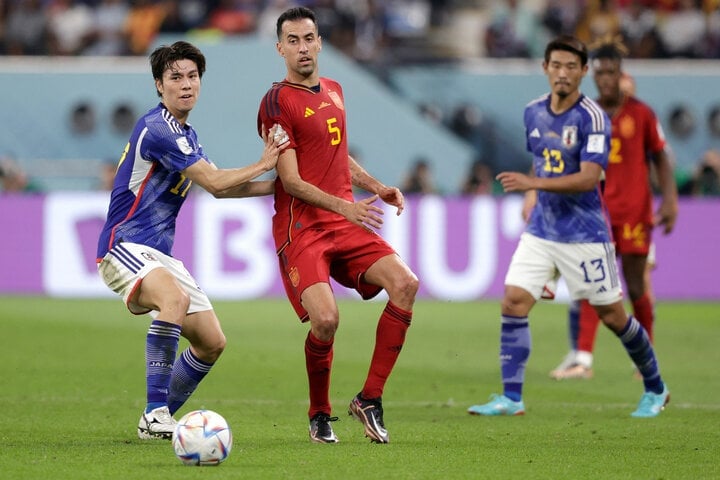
609	51
569	44
292	14
165	56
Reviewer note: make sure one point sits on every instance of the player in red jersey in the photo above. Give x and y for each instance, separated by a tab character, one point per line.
636	138
321	232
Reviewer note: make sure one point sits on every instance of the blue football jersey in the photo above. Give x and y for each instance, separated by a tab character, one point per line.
559	143
149	188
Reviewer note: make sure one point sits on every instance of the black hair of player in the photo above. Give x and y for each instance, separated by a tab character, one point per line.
570	44
292	14
608	52
166	56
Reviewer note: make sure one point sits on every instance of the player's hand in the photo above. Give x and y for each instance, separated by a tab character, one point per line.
515	181
666	216
364	213
393	196
276	140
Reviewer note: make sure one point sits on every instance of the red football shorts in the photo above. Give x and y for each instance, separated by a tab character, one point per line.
344	253
632	239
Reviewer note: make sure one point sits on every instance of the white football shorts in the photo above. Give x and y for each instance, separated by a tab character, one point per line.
126	264
590	269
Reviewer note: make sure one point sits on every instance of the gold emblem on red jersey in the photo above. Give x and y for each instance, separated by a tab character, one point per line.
294	276
626	126
336	100
308	112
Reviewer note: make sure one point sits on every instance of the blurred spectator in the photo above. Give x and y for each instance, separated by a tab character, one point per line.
369	33
419	180
469	122
26	31
107	35
70	26
510	31
560	17
465	121
266	22
600	19
479	180
337	25
143	24
3	21
637	25
439	12
233	17
184	15
711	44
682	32
106	176
706	178
14	179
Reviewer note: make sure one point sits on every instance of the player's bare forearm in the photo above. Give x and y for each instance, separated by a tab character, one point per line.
361	213
219	182
216	181
583	181
249	189
362	179
668	209
312	195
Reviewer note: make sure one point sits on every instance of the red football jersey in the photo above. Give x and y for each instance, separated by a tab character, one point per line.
636	133
315	122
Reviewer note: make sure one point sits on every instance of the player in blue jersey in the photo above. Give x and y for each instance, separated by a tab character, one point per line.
162	160
568	231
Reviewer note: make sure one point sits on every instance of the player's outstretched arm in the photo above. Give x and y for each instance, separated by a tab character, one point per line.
232	182
583	181
255	188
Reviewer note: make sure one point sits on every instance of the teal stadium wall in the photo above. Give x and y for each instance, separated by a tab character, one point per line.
384	131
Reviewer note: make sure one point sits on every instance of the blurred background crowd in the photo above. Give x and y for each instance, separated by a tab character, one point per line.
371	31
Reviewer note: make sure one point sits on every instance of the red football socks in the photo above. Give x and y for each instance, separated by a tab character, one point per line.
318	362
389	340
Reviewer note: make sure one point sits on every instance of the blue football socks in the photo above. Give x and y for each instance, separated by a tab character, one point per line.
187	373
160	350
514	353
637	344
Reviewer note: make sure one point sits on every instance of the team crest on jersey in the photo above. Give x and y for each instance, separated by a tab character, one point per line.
184	145
569	136
294	276
336	100
627	126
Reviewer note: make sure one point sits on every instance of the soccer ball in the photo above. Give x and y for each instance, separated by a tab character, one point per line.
202	437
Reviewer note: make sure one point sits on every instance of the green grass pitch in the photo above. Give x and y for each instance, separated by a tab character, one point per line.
72	389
